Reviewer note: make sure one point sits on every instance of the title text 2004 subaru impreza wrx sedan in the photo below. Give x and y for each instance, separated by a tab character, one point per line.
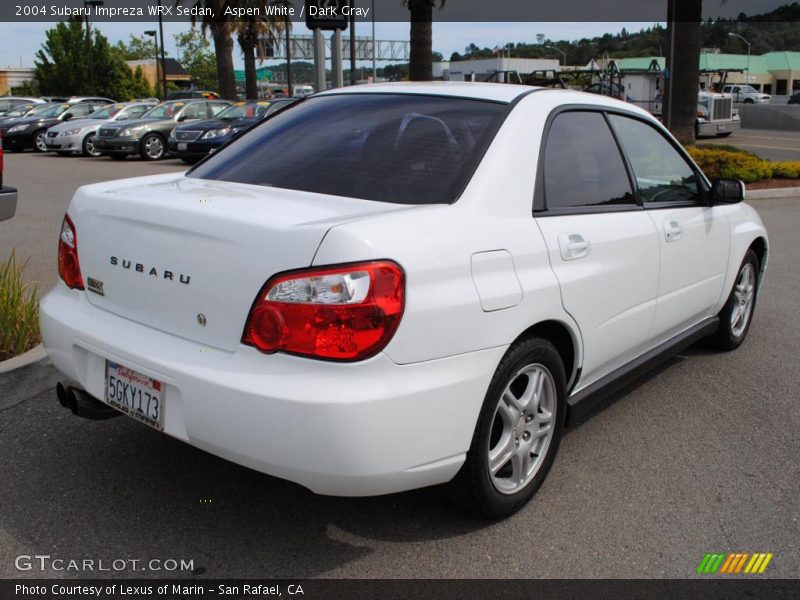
395	286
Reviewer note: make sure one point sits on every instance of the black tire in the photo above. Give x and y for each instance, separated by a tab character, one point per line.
728	337
38	140
116	156
473	488
724	135
145	147
748	101
64	153
88	148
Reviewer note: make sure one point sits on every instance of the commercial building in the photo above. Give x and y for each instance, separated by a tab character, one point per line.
11	77
151	69
483	69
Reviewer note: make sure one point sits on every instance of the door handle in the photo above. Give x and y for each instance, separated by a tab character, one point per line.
573	246
673	231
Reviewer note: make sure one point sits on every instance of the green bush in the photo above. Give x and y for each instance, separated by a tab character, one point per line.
19	310
732	163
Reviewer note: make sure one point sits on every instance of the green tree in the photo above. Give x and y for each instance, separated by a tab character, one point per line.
138	48
62	65
198	58
254	33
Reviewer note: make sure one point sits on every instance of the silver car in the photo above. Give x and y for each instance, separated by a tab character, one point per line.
79	135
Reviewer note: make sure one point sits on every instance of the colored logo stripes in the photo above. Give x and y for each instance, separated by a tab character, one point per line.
735	563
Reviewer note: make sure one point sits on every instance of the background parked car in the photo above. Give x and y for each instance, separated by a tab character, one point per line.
193	141
92	99
79	135
148	135
795	99
8	195
8	103
747	94
30	132
23	110
192	95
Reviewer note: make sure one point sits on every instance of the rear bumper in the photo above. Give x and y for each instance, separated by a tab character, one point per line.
117	146
355	429
8	202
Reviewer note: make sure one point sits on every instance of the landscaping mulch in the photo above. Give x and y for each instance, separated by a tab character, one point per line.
770	184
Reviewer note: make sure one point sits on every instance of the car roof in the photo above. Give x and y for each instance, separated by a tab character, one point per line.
496	92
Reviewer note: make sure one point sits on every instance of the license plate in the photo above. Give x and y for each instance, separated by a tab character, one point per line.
721	127
182	146
134	394
100	143
49	141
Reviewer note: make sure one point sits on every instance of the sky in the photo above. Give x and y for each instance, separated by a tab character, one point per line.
20	41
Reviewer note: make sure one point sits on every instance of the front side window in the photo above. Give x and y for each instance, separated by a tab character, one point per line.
194	111
582	164
401	148
165	110
661	173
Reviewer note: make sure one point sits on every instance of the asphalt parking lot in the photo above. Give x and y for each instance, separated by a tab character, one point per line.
768	144
699	456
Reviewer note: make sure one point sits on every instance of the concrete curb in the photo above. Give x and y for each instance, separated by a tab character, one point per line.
792	192
26	376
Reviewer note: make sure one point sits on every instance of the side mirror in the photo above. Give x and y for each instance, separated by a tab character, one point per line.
68	117
727	191
181	119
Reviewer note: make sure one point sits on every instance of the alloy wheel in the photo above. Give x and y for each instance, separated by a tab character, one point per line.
523	427
743	296
154	147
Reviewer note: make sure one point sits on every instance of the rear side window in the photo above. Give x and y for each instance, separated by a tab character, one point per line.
662	174
398	148
582	164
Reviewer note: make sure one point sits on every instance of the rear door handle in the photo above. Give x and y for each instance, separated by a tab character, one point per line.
573	246
672	231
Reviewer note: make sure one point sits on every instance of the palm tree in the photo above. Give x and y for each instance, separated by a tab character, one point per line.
255	33
421	67
684	38
221	30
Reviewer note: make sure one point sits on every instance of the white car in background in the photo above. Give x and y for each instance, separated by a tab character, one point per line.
79	135
400	285
747	94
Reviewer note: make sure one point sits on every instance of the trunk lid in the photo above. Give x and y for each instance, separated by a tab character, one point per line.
188	256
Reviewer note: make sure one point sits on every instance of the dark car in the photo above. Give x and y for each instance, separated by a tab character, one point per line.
22	110
193	141
193	95
8	195
148	135
794	99
30	132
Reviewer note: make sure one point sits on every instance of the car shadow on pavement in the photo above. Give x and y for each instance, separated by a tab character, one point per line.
74	488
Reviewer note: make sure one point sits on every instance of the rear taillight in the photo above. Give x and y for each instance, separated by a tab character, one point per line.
69	269
347	312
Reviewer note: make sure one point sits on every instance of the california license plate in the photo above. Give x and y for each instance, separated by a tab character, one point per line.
182	146
134	394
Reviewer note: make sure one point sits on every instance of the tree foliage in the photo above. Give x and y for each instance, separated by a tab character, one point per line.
63	66
138	48
198	58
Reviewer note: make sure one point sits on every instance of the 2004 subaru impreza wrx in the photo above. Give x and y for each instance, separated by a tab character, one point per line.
395	286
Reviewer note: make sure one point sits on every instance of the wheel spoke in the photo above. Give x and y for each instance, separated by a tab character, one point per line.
502	453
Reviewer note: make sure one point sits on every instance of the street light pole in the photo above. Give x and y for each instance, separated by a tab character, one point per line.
747	68
152	33
564	54
89	52
374	64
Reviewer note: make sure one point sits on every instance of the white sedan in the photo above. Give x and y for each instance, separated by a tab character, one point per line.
400	285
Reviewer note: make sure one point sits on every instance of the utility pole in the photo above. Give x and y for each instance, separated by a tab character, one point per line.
747	68
353	77
374	59
163	63
287	26
89	44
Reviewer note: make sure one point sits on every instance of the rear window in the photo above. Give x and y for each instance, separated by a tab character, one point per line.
395	148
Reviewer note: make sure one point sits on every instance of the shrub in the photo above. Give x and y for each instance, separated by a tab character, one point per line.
732	163
19	310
